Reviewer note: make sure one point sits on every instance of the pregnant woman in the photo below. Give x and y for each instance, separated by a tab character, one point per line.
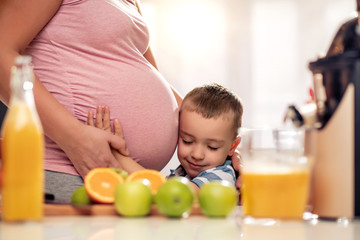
85	53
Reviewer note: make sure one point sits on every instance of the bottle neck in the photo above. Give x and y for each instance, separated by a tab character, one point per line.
22	80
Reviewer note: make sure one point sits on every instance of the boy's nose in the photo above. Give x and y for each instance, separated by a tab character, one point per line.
197	152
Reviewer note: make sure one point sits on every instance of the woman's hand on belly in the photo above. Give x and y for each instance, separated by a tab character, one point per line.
91	148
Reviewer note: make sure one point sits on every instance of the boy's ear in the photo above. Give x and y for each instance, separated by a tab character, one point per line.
234	145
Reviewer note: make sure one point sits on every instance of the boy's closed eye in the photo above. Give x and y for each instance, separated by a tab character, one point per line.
213	148
186	141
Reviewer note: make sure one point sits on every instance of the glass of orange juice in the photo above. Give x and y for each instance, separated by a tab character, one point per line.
275	173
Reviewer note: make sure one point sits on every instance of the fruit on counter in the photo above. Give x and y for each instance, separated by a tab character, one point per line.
122	172
175	197
217	198
133	199
100	184
80	197
155	178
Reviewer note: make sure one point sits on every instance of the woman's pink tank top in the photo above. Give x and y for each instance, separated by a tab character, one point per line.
91	53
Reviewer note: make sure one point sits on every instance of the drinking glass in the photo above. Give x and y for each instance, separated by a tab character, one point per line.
275	174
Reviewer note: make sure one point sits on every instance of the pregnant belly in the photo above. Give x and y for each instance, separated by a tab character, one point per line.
140	98
148	112
150	126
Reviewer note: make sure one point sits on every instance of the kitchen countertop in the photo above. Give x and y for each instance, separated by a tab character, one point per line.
193	227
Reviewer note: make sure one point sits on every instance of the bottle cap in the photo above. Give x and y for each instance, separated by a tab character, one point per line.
22	60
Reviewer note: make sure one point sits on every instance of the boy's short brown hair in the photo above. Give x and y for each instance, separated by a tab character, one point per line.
213	100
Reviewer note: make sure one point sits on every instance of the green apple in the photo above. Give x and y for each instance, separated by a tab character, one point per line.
217	198
133	199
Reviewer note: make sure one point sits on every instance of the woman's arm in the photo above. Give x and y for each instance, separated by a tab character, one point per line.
20	22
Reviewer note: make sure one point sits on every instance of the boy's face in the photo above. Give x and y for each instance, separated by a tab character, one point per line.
204	143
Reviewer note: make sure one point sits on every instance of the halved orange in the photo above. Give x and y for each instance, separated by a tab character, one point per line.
155	178
100	184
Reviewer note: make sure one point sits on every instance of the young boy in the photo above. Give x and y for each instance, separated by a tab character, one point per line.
209	119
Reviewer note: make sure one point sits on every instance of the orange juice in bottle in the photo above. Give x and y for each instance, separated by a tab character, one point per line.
22	149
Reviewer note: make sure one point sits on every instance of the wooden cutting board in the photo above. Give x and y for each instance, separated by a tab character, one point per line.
96	209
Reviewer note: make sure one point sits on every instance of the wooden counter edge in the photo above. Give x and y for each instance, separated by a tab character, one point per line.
97	210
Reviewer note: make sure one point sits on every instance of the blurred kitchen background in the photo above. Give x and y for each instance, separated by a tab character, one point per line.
258	48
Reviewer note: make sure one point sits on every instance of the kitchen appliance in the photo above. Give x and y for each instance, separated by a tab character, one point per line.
332	123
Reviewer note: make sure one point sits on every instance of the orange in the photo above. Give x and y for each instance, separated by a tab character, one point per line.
100	184
155	178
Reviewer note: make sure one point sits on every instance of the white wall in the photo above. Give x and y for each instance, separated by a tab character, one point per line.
258	48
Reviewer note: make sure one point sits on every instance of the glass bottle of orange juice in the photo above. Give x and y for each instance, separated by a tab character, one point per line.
22	149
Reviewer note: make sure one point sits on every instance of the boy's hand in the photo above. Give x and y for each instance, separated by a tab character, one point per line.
102	118
103	122
235	158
